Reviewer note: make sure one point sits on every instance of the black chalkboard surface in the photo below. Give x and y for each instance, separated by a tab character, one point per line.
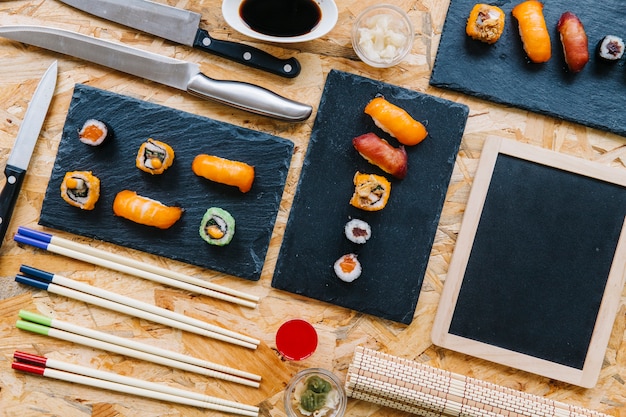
539	264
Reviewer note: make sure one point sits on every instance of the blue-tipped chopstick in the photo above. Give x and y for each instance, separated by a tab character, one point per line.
130	266
60	285
51	368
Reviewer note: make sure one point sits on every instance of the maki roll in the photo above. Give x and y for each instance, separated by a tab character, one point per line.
371	192
611	48
144	210
81	189
224	171
154	156
94	132
357	231
217	227
347	268
485	23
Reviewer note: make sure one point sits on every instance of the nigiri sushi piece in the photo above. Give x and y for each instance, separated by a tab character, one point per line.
217	227
154	156
533	30
357	231
371	192
396	121
225	171
611	48
379	152
143	210
348	268
94	132
81	189
485	23
574	41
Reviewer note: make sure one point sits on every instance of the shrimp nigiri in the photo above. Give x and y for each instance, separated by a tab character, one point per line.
533	30
396	121
143	210
225	171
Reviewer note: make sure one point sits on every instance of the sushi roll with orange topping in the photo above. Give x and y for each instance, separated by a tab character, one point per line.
396	121
143	210
485	23
371	192
81	189
347	268
94	132
154	156
224	171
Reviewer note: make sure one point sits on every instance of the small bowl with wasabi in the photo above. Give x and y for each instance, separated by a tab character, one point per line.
382	35
315	392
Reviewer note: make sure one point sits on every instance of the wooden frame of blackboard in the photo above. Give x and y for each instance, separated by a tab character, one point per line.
609	291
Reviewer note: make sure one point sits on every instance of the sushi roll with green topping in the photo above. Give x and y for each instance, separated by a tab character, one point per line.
217	227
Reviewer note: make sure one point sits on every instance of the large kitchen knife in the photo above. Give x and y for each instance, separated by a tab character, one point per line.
161	69
17	164
182	26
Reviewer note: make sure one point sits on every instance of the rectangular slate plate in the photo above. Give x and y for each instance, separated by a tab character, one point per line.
133	121
394	260
502	73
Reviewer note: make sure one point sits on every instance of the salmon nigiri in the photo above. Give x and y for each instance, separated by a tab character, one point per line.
533	30
225	171
396	121
144	210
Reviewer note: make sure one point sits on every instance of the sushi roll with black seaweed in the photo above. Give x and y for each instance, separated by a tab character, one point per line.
611	48
348	268
81	189
357	231
154	156
217	227
94	132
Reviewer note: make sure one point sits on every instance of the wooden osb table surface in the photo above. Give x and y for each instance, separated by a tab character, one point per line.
340	330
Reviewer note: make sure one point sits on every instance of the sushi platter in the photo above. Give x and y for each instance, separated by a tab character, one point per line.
501	72
133	122
394	259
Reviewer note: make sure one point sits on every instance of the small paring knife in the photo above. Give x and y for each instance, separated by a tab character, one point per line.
29	131
172	72
182	26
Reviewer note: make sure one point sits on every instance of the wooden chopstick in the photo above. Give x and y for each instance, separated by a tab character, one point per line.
107	380
130	266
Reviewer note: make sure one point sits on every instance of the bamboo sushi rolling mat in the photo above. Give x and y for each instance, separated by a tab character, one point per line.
340	331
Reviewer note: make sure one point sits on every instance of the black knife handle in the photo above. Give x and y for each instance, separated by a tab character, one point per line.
247	55
8	196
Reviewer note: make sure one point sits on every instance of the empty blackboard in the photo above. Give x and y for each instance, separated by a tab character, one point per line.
536	276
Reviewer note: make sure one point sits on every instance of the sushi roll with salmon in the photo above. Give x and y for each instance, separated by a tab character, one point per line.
81	189
347	268
371	192
396	121
217	227
143	210
94	132
154	157
224	171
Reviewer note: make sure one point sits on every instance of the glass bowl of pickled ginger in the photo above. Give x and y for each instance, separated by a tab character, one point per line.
315	392
382	35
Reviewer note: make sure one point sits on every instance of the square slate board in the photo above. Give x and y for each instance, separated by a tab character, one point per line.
394	260
133	121
502	73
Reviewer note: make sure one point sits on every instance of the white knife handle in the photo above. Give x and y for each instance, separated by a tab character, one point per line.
249	97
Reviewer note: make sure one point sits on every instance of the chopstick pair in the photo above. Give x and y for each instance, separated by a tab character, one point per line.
56	369
67	287
130	266
69	332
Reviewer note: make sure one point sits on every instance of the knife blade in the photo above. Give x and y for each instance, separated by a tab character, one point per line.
172	72
20	155
182	26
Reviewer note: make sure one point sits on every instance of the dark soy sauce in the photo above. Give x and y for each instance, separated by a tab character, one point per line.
281	18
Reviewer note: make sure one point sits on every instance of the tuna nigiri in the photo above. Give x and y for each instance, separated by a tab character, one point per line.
533	30
225	171
143	210
396	121
379	152
574	41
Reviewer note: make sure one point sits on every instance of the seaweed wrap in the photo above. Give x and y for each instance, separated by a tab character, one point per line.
94	132
217	227
154	156
81	189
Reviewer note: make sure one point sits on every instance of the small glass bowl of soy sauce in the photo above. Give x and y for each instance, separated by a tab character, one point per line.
281	21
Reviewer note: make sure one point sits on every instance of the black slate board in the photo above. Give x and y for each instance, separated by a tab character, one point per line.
502	73
133	121
394	260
